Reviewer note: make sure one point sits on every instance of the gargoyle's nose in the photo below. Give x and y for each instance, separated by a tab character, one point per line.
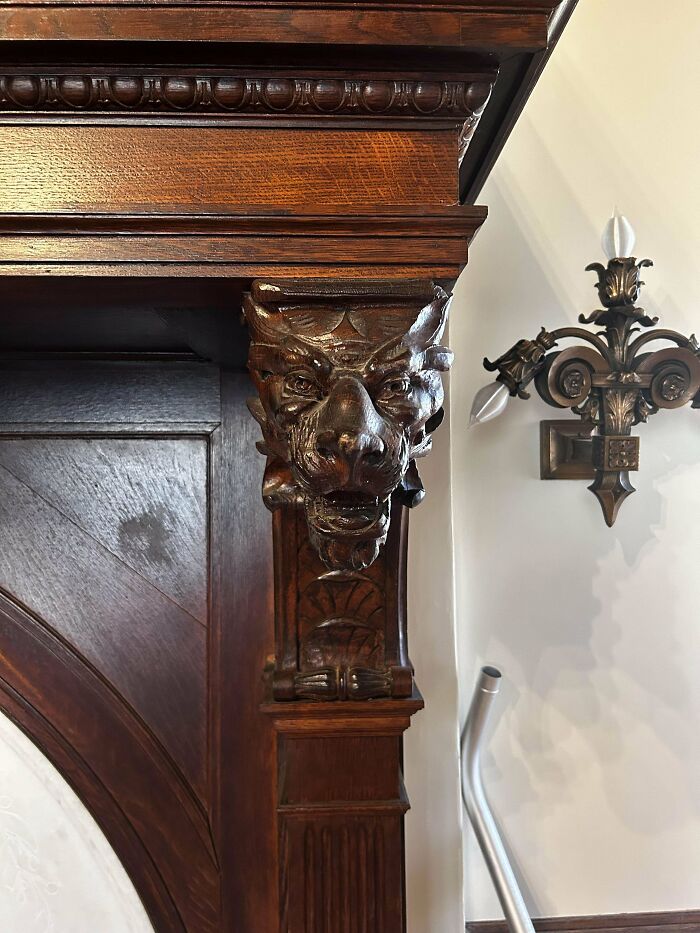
355	448
350	427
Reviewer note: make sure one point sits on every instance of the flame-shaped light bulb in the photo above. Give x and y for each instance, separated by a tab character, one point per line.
489	403
618	237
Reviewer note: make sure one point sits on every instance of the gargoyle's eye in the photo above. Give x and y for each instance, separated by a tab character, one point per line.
296	384
396	387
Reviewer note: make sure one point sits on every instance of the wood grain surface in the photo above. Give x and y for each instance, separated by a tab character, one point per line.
164	169
524	28
125	630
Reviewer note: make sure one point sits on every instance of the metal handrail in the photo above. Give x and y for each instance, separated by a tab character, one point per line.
492	848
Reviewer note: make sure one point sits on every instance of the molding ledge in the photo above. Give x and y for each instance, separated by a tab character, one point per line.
89	90
683	921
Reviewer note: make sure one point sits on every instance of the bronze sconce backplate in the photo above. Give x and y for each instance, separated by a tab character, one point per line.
611	381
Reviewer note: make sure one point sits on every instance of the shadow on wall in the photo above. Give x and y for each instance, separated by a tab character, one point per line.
591	626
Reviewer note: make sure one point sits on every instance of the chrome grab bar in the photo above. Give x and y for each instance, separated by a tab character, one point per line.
482	820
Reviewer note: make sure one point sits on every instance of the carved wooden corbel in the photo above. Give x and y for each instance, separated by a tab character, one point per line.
350	391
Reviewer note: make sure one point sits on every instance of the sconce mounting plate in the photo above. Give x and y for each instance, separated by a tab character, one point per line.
566	450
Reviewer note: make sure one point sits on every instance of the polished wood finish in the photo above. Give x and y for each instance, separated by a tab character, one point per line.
680	921
390	244
341	805
515	26
228	691
119	614
69	168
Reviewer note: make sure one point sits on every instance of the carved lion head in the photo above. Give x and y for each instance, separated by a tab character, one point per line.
349	385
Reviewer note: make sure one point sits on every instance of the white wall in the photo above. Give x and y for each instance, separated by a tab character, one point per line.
433	825
58	873
594	768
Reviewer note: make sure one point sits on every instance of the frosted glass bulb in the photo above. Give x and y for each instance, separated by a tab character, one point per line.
618	237
489	403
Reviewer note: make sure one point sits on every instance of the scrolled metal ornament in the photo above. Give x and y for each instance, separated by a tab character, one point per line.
518	366
611	381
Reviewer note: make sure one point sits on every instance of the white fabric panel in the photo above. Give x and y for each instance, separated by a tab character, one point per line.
58	873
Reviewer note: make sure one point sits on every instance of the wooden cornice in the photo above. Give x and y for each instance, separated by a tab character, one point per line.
386	63
508	25
517	79
221	244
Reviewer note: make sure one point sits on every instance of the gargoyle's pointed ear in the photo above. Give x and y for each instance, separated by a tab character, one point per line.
424	335
430	324
266	323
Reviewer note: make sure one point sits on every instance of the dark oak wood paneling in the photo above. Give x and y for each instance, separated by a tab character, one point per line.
243	754
135	553
341	807
108	393
143	804
115	618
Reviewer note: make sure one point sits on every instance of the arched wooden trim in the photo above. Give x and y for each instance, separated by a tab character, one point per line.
81	727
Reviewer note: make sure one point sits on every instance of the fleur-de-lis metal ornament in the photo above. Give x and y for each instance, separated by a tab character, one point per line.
612	381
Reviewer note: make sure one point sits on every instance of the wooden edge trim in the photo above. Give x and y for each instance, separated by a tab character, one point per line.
373	717
687	921
402	6
344	808
524	29
442	274
473	176
458	221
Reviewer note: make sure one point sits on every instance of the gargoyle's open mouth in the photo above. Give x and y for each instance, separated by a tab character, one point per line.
348	513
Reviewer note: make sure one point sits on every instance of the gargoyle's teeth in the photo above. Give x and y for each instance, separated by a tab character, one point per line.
344	513
346	499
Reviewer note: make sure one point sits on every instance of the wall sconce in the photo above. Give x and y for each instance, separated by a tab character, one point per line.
611	382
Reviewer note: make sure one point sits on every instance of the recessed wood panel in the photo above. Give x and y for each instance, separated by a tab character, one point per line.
68	570
79	168
142	500
108	392
135	620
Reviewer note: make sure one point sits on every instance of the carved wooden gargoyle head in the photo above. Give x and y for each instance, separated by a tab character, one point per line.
348	376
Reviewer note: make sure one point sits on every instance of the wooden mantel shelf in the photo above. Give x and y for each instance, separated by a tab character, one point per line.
204	205
512	24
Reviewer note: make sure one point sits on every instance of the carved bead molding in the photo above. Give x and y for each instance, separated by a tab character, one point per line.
233	93
348	377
